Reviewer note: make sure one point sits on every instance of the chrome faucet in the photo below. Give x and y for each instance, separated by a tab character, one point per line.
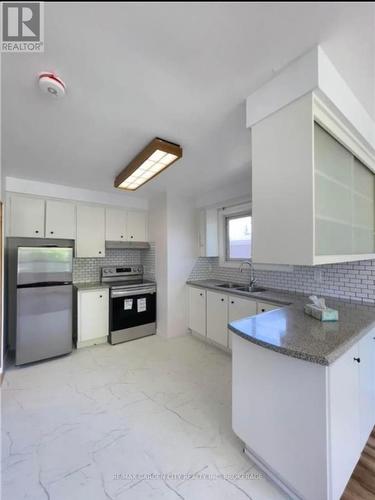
252	275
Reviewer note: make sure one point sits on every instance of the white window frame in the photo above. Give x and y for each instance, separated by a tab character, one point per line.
224	213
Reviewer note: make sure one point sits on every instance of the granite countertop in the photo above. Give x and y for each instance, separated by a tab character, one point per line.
290	331
91	285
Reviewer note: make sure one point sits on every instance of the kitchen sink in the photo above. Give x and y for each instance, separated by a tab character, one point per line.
251	289
230	285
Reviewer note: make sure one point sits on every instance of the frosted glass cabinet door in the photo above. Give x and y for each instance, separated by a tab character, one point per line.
344	199
332	158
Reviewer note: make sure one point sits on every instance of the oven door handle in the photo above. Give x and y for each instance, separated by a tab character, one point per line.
127	293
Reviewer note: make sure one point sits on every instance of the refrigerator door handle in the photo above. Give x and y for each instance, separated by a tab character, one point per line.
41	284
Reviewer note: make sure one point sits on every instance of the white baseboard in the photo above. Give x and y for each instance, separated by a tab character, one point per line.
271	475
87	343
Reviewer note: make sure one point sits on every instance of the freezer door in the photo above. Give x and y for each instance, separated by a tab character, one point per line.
44	264
44	322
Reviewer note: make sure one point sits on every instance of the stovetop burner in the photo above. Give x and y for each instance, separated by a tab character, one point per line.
129	283
124	276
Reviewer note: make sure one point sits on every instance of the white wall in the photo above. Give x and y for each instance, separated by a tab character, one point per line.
182	253
172	228
312	71
158	234
118	198
230	194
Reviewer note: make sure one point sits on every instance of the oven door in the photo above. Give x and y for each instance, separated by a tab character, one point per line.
133	314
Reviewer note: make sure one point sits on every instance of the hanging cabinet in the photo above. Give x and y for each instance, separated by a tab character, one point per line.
313	186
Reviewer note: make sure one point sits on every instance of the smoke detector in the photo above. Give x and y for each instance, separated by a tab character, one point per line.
51	84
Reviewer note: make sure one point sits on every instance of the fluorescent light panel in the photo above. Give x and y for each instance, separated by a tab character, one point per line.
155	157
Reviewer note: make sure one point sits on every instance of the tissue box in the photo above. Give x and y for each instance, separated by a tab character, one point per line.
321	314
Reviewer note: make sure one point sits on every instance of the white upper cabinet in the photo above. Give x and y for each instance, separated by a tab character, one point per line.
344	199
90	225
136	227
90	240
60	220
27	217
115	224
313	188
208	243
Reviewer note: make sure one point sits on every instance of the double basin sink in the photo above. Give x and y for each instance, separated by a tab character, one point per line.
243	288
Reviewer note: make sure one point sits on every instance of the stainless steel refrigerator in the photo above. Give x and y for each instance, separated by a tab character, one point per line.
44	303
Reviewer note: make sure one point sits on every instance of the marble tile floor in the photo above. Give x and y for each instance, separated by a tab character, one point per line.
145	419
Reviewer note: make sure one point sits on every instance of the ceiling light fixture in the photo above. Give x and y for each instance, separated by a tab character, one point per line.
153	159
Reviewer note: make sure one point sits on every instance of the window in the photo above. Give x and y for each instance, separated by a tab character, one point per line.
238	237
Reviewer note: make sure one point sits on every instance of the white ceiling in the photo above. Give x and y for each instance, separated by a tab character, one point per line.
180	71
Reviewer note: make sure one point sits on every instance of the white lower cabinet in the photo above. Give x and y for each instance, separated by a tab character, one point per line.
210	312
239	308
305	423
217	317
197	310
351	383
344	422
93	319
366	355
264	307
90	231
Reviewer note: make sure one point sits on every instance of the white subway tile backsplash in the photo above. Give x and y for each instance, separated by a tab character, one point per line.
353	280
88	270
148	262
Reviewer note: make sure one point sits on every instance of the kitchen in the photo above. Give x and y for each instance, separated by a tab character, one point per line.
162	239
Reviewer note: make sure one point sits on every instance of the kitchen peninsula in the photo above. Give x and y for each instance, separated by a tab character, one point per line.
304	394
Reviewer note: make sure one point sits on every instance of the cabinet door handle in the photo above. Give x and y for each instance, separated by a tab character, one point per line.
122	236
100	296
51	232
263	310
357	359
100	252
201	294
131	237
232	301
36	231
222	300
